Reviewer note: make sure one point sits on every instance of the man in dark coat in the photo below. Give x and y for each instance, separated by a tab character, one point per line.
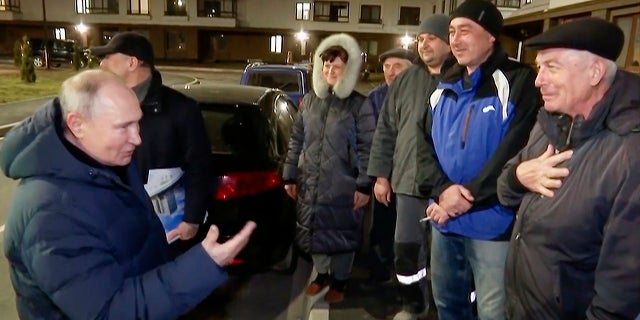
172	129
574	249
81	237
383	225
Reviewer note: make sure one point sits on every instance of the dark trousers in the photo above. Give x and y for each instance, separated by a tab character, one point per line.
381	236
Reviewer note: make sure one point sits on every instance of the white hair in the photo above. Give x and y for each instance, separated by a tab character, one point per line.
79	93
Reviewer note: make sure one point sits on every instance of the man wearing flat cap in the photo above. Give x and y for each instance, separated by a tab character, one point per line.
575	246
394	149
172	131
394	62
482	113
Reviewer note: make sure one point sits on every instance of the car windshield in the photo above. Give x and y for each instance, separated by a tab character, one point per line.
285	81
239	130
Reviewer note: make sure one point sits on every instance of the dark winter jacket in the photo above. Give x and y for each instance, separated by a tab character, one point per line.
328	155
480	121
376	98
174	136
576	255
82	244
394	146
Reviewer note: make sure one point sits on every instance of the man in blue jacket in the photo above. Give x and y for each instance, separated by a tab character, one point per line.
81	236
482	113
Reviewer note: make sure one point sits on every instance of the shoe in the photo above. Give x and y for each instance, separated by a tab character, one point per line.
318	284
334	296
406	315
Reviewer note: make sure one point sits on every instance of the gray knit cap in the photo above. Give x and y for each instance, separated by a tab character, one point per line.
437	25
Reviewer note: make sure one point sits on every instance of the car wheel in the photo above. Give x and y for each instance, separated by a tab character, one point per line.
38	62
289	263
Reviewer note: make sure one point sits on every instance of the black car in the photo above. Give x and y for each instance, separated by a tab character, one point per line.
60	52
249	129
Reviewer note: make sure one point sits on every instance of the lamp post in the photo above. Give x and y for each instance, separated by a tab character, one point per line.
302	37
82	29
45	35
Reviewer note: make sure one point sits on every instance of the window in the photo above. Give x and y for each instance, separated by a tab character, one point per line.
527	1
302	10
176	8
220	8
369	47
507	3
629	58
331	11
97	6
175	40
276	44
139	7
370	14
409	16
10	5
61	33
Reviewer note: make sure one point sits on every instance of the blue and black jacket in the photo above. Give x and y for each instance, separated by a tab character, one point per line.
477	123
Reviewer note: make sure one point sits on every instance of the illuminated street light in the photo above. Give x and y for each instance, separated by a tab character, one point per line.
82	29
302	37
406	41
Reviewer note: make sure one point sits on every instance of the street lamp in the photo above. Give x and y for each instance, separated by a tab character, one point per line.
406	41
302	37
82	29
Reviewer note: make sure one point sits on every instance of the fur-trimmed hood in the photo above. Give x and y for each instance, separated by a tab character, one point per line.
347	83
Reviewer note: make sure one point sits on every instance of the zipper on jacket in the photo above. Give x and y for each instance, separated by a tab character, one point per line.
465	129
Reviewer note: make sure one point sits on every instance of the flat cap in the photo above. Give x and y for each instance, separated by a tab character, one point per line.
398	53
591	34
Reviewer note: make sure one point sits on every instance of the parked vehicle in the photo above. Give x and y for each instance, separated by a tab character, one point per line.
292	79
249	130
60	52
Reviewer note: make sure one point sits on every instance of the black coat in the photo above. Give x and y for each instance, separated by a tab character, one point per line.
173	135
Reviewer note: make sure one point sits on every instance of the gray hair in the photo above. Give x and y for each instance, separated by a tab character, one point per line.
79	93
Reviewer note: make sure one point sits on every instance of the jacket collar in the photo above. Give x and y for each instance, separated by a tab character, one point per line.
618	111
153	99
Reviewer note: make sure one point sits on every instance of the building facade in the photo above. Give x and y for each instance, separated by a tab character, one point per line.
274	30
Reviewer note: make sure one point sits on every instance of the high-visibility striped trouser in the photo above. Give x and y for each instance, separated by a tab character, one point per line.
411	251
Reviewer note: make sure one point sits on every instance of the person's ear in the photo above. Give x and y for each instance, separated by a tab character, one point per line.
597	71
75	124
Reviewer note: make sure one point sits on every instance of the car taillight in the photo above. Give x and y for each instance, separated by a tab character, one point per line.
240	184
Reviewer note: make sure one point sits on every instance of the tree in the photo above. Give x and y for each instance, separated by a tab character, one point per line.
17	53
27	69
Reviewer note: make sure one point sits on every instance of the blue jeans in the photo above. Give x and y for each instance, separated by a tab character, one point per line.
455	261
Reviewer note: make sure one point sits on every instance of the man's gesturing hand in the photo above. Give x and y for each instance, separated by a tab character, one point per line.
541	175
223	253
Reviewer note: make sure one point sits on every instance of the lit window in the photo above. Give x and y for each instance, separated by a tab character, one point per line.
61	33
139	7
302	10
276	44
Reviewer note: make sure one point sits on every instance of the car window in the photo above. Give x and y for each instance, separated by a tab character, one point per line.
243	131
285	81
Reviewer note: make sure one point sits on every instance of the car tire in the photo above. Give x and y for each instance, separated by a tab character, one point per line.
289	263
38	62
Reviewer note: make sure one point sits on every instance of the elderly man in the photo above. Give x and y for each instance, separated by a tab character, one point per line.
482	113
394	149
574	250
81	237
394	62
172	129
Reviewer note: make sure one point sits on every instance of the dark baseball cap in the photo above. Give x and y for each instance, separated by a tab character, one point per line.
592	34
130	43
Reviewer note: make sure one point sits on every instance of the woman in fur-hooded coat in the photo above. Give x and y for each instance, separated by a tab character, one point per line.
326	168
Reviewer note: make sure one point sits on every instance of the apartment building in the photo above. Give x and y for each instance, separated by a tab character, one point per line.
536	16
224	30
240	30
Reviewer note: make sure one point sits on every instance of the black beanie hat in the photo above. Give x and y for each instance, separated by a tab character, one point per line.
481	12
